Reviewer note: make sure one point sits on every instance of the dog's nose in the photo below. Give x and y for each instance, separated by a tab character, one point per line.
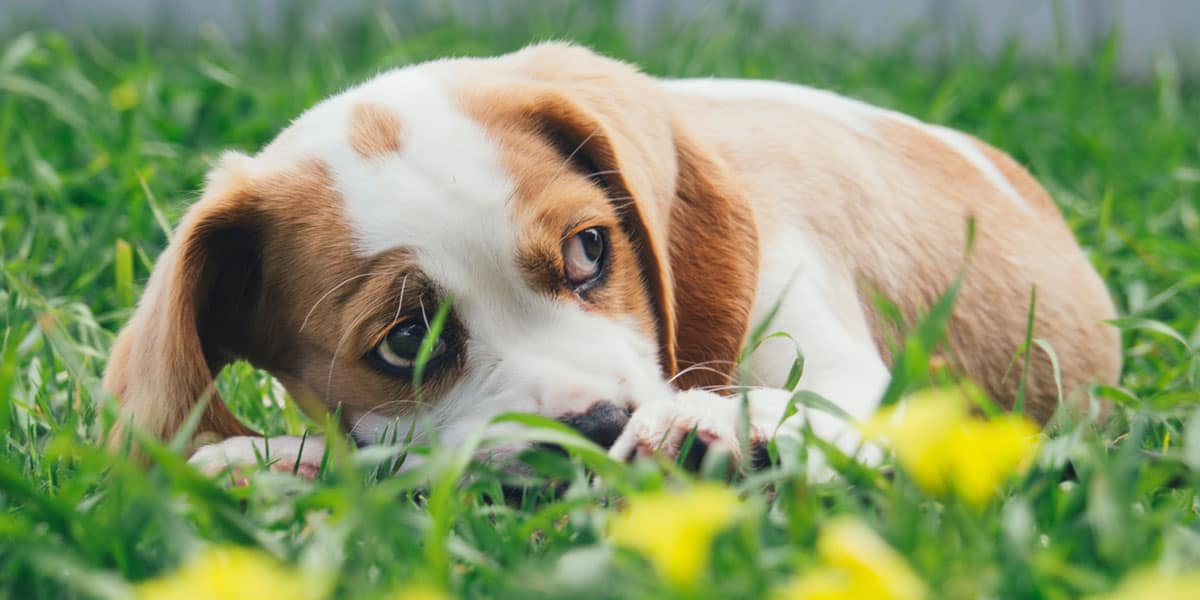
602	422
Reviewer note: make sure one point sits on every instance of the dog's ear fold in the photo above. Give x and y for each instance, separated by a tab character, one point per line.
585	139
714	257
695	232
196	314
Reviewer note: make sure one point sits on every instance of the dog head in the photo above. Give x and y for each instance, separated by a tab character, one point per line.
585	251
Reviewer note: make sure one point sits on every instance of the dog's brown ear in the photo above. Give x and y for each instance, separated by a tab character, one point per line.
583	137
695	232
196	315
714	258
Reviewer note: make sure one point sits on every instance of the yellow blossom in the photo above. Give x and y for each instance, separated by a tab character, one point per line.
233	573
821	584
848	544
856	563
944	448
1149	585
123	97
675	530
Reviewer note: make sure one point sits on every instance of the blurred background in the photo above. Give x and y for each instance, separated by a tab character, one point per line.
1150	29
111	112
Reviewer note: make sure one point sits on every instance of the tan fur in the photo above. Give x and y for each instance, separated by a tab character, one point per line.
318	308
374	131
693	192
893	211
554	200
678	201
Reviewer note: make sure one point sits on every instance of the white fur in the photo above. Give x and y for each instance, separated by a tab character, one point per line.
851	113
445	196
820	312
970	151
841	364
247	450
855	115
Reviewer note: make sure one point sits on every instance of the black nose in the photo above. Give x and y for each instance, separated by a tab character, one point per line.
602	422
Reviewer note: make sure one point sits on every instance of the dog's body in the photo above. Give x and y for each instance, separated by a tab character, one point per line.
607	241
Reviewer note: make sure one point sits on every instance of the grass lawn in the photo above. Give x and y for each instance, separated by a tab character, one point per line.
105	137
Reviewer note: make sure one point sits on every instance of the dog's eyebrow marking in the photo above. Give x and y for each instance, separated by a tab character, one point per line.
374	130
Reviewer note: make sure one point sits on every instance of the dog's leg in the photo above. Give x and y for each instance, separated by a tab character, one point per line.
819	310
284	454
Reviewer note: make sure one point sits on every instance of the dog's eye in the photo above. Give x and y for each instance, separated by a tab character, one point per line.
584	256
399	347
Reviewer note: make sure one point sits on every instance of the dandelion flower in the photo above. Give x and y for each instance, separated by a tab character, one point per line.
946	449
233	573
675	530
856	564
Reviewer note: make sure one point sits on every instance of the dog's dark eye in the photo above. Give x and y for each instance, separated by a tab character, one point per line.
584	256
399	347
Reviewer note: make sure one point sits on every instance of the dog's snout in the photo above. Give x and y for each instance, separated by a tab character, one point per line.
602	422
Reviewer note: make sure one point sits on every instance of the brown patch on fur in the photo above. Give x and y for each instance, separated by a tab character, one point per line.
251	276
374	130
555	199
714	254
1020	179
1009	261
889	214
683	220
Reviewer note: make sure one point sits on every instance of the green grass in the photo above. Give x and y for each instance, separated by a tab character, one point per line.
104	138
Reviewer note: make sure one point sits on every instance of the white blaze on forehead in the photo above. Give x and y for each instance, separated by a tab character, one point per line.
445	180
855	115
444	196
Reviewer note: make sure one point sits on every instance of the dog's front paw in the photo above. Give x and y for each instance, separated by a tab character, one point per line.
663	427
288	454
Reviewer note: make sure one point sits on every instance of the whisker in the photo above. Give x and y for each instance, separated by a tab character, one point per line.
334	289
388	404
400	302
599	173
570	157
702	366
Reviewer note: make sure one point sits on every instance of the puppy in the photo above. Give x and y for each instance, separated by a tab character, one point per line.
604	241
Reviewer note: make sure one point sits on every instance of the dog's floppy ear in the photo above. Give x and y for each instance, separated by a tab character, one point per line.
195	315
695	233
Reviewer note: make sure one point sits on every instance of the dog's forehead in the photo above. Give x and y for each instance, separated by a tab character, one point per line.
411	170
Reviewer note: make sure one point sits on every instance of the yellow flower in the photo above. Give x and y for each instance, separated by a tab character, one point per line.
856	564
944	448
675	530
851	546
1149	585
123	97
233	573
820	584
